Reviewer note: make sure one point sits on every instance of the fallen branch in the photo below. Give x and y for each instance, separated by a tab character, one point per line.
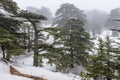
13	71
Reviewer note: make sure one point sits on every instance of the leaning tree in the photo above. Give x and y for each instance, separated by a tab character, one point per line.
33	19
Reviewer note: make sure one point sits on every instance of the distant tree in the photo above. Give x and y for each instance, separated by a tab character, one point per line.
43	11
66	12
111	22
96	21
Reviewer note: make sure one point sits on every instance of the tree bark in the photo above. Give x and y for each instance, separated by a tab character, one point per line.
3	50
4	54
35	58
35	62
109	78
29	43
8	56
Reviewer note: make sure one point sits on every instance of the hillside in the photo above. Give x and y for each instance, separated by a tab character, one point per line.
25	66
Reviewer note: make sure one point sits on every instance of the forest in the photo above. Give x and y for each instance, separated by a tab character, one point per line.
68	39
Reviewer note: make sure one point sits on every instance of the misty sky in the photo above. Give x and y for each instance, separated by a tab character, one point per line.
103	5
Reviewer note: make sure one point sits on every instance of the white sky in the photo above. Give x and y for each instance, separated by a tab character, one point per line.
103	5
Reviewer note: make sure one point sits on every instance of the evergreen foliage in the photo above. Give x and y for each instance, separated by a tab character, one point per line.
9	39
112	22
70	45
34	19
43	11
9	5
76	41
65	12
102	64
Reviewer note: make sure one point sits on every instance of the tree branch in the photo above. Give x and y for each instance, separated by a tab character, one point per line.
115	30
41	50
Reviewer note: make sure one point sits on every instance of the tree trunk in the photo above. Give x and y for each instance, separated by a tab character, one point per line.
95	78
35	58
8	56
108	62
3	50
3	54
29	43
72	61
35	62
109	78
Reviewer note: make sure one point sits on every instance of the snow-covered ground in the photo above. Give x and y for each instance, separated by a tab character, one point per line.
4	76
24	65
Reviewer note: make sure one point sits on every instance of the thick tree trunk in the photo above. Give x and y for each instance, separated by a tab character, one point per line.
35	62
35	58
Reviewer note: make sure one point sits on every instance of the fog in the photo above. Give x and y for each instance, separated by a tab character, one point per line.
99	14
102	5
